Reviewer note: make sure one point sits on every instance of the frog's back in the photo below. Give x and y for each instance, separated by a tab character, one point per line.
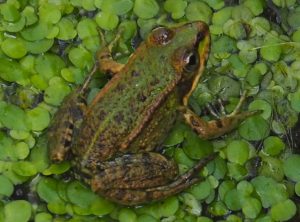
130	108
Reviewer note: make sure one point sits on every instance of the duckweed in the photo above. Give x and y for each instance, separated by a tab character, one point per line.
46	49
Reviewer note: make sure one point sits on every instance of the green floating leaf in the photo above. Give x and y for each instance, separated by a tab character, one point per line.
23	209
6	188
197	10
236	171
118	7
238	151
107	20
21	150
40	46
9	12
291	167
271	51
255	6
87	28
297	189
224	187
88	5
241	13
254	128
294	99
56	92
24	168
201	190
38	118
284	3
43	217
235	29
221	16
58	168
283	211
49	65
251	207
217	208
146	218
228	86
176	136
260	26
30	16
101	206
127	215
12	116
14	48
245	188
169	206
272	167
146	9
129	29
49	13
192	205
269	191
36	32
273	145
176	8
195	147
79	194
233	200
260	104
47	190
80	57
66	29
181	158
14	26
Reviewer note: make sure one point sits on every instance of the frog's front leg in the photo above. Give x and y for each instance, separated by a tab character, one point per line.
144	177
106	62
218	127
66	119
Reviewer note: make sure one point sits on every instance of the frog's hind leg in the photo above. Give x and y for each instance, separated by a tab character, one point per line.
218	127
106	62
150	183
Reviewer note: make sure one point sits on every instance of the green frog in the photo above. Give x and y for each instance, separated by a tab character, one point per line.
114	140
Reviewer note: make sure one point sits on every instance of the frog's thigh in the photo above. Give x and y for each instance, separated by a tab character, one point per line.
214	128
134	171
146	195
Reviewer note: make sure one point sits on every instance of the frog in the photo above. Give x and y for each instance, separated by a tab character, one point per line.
115	141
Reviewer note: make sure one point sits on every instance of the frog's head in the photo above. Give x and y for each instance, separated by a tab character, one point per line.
187	47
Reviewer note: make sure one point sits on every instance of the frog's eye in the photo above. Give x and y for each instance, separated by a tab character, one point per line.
161	35
191	61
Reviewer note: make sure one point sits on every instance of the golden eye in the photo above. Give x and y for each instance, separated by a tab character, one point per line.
192	61
161	36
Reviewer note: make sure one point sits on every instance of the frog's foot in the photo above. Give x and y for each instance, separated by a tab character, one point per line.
106	62
221	125
144	180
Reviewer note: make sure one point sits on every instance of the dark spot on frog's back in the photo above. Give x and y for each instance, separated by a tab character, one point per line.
141	97
120	87
219	123
135	73
119	117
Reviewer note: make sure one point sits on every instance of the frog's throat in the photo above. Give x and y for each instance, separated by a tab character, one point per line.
203	51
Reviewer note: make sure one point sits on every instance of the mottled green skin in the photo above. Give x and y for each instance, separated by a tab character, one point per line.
142	100
113	140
